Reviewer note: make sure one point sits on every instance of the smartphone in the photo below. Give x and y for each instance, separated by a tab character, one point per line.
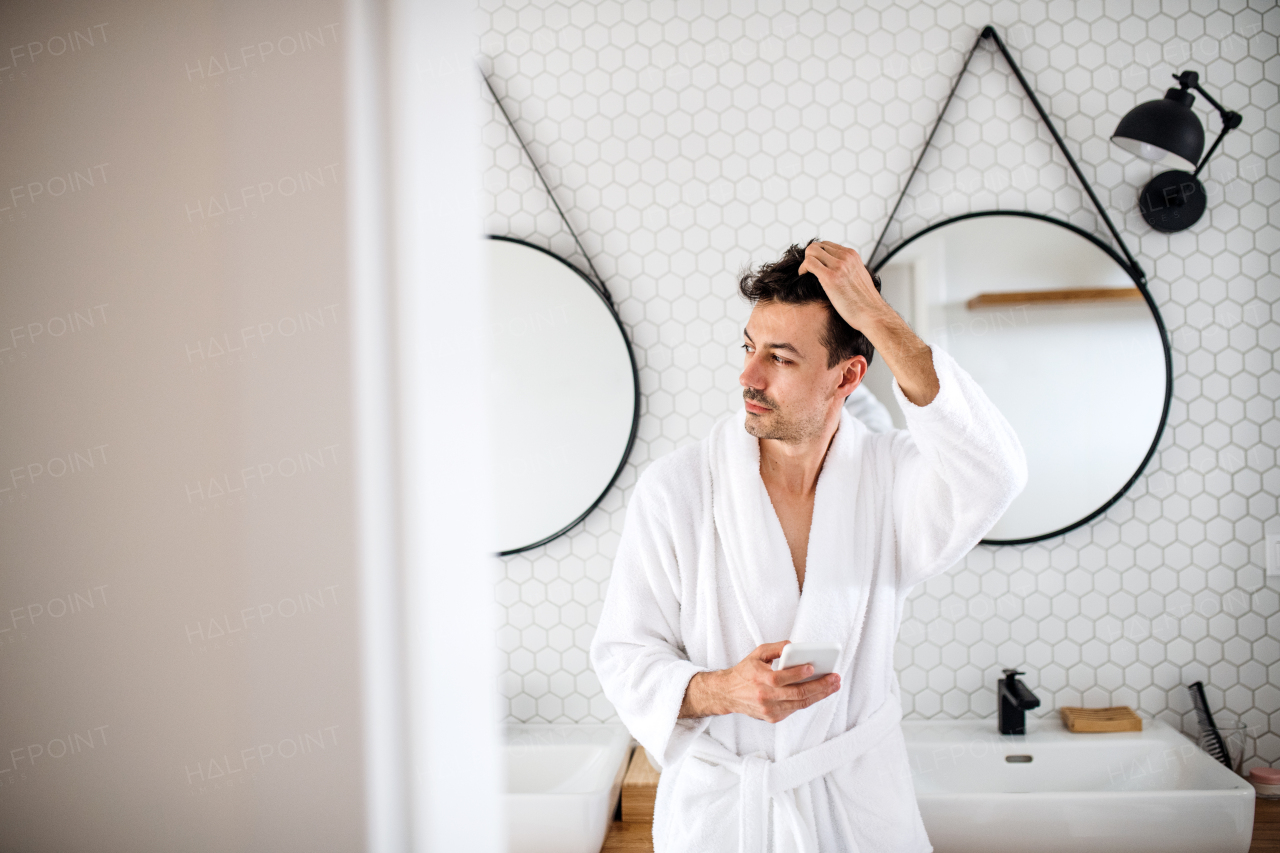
823	656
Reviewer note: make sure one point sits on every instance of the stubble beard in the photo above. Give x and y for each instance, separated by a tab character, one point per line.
780	427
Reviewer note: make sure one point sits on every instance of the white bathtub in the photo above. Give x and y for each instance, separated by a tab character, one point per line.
563	784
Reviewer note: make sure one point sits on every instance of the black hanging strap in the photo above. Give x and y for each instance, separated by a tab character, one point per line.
598	283
927	142
1134	268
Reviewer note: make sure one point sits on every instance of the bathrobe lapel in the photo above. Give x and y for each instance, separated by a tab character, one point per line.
761	572
837	583
758	559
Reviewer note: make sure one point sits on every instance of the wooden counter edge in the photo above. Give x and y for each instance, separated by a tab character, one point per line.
639	789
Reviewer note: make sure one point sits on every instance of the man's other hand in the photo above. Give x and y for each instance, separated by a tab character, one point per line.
754	688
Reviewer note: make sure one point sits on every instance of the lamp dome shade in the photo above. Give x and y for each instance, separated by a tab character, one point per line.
1165	131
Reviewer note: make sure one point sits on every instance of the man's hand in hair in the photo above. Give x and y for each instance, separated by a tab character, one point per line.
848	285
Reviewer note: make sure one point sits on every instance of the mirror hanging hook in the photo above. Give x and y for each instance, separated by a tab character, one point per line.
989	32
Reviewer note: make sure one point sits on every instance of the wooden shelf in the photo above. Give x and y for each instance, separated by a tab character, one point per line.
1069	295
624	837
634	833
639	788
1266	826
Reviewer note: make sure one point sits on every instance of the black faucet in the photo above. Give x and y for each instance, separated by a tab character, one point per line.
1015	700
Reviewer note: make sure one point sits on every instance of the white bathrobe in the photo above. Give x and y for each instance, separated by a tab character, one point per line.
703	576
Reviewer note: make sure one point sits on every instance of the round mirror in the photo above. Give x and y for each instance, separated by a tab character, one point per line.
564	394
1054	328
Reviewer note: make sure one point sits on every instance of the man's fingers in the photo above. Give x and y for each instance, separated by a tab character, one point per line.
807	694
830	255
791	698
791	675
816	255
769	651
810	691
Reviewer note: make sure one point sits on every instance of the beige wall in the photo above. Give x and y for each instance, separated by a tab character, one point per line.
178	596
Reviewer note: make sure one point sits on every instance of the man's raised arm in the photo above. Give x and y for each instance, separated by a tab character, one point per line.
958	465
853	294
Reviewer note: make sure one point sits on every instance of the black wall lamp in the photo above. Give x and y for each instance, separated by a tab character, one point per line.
1167	132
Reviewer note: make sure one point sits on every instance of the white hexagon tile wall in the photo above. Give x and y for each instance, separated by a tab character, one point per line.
686	140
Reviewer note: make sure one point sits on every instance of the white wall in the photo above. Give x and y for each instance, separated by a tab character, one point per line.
686	140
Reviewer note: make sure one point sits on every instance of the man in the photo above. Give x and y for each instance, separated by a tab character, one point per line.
793	522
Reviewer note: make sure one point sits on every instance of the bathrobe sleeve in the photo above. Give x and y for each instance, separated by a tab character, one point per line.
957	468
637	652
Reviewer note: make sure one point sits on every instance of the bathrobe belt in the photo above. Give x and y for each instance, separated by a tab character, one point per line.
765	780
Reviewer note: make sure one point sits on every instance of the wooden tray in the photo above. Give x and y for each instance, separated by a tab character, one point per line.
1118	719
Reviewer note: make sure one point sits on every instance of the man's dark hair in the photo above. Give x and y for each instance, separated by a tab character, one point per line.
778	282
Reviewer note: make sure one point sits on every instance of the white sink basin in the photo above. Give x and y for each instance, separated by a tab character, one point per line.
563	783
1129	792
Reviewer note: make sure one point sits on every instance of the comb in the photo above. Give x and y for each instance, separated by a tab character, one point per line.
1210	738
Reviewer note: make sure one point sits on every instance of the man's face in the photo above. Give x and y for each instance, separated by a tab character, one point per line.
788	390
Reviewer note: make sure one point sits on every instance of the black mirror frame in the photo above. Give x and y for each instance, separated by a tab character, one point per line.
635	411
1141	284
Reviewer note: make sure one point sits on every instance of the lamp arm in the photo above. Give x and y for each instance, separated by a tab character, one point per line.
1230	120
1212	148
1222	111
